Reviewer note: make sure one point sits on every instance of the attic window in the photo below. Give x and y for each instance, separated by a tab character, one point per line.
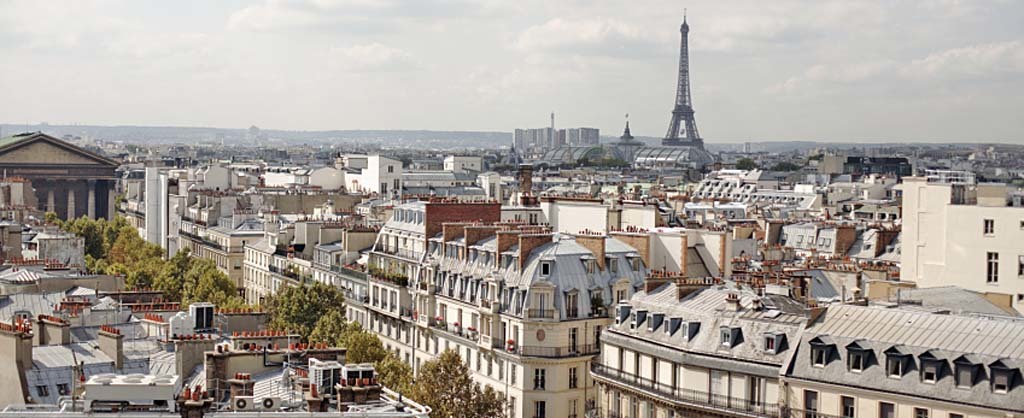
929	372
773	342
895	365
672	326
731	336
545	268
858	360
769	343
965	375
1000	381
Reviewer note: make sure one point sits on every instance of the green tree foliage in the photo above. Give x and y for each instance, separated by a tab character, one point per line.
362	346
785	166
115	247
394	373
329	328
299	308
746	164
445	385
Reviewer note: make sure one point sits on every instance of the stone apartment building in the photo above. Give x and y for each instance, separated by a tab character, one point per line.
696	347
523	306
966	235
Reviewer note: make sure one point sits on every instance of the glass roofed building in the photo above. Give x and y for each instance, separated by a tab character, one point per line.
673	156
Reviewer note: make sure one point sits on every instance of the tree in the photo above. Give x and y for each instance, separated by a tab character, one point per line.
394	373
361	346
204	283
299	308
329	328
785	166
445	385
746	164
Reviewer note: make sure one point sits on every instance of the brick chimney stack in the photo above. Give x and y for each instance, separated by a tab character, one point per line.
111	343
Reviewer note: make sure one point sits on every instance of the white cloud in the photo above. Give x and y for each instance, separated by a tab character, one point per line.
975	61
606	37
372	57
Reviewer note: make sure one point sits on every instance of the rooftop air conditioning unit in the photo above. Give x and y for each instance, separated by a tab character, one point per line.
270	404
243	403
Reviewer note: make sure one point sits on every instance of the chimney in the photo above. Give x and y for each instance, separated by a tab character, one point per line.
241	385
641	241
595	242
16	339
732	302
655	280
884	237
451	231
111	343
506	239
52	331
530	242
845	237
477	233
684	255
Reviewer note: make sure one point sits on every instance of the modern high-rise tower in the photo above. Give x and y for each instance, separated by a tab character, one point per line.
682	130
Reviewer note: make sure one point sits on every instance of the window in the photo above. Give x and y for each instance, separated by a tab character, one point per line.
613	265
990	227
539	409
1020	265
512	373
894	366
1000	381
886	410
930	372
573	383
858	359
920	413
545	268
818	357
572	305
848	407
42	391
769	344
62	389
512	406
726	337
620	295
964	376
391	169
538	379
992	272
952	415
810	403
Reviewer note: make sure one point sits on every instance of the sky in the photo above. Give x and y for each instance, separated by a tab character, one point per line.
826	70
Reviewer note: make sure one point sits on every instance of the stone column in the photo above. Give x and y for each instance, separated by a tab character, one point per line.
49	198
91	204
71	201
108	185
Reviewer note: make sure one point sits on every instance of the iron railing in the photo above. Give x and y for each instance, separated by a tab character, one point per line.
693	398
556	352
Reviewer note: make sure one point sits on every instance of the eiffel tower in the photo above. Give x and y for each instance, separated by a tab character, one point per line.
682	130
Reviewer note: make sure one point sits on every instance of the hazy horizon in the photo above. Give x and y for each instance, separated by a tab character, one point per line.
940	71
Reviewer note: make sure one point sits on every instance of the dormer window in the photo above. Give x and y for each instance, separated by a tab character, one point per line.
673	326
930	372
895	365
623	314
774	342
858	361
655	322
638	318
821	350
545	268
1003	374
692	327
897	361
731	336
966	371
1000	381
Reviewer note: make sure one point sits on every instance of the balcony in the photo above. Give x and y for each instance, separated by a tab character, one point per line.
464	333
559	352
345	271
490	306
533	313
687	398
402	253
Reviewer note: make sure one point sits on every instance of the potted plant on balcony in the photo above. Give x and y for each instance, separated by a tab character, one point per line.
510	345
